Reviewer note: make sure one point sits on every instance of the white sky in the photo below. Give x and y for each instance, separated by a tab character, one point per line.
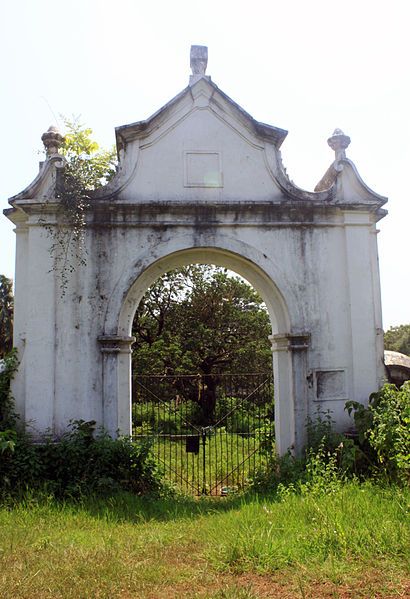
305	66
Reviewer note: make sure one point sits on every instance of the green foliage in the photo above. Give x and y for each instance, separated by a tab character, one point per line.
234	415
7	414
398	339
384	427
382	448
329	458
321	433
324	440
319	472
6	315
322	472
200	319
87	168
81	462
8	440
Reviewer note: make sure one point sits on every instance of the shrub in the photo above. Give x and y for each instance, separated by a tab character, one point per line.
328	459
81	463
384	430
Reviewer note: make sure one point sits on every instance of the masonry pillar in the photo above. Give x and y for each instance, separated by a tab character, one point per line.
21	300
39	352
365	325
291	399
116	371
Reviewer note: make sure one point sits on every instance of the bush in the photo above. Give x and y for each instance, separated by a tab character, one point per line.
317	473
80	463
384	430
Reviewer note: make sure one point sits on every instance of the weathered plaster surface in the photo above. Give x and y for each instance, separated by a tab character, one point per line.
201	181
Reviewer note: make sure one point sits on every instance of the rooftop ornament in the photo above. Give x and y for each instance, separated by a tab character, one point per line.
339	142
52	140
199	62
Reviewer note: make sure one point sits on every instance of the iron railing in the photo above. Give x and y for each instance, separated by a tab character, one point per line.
210	433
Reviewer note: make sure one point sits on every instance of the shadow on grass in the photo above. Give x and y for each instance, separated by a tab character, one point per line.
122	506
125	507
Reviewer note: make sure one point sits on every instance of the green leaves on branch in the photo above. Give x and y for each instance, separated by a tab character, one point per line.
8	367
8	440
91	166
6	315
87	168
83	461
398	339
384	426
201	319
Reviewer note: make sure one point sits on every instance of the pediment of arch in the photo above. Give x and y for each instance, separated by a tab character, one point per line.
202	146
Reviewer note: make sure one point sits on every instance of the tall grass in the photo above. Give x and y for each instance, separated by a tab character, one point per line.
126	546
361	522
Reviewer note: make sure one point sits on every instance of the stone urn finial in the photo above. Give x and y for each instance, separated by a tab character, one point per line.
339	142
52	140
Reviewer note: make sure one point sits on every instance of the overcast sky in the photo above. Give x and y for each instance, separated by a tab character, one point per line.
307	67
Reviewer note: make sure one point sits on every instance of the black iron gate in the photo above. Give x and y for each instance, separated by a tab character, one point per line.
209	432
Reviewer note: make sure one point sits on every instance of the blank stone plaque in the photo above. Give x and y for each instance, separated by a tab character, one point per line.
330	384
203	169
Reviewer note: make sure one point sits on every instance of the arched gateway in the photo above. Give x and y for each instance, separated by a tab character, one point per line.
200	181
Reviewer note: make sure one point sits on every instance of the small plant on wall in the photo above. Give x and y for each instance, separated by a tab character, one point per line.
86	168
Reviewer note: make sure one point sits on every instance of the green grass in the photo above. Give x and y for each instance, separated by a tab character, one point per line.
350	543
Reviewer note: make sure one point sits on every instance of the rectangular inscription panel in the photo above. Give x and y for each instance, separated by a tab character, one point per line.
202	169
330	384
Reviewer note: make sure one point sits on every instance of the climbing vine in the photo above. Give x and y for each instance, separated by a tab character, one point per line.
87	168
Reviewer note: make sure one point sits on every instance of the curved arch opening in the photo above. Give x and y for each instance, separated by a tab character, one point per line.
135	286
267	289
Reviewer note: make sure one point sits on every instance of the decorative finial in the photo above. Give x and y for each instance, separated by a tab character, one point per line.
199	62
339	142
52	140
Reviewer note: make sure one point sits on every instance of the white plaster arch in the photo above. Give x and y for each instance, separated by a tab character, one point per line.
268	290
137	278
262	272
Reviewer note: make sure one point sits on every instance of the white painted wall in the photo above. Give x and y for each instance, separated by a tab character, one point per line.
201	182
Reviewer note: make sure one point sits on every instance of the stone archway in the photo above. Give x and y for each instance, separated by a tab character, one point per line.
200	180
289	363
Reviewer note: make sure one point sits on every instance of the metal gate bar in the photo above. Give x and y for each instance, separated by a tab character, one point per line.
209	432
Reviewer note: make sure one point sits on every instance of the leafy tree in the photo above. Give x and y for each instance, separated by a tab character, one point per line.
6	315
201	320
398	339
88	166
384	430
